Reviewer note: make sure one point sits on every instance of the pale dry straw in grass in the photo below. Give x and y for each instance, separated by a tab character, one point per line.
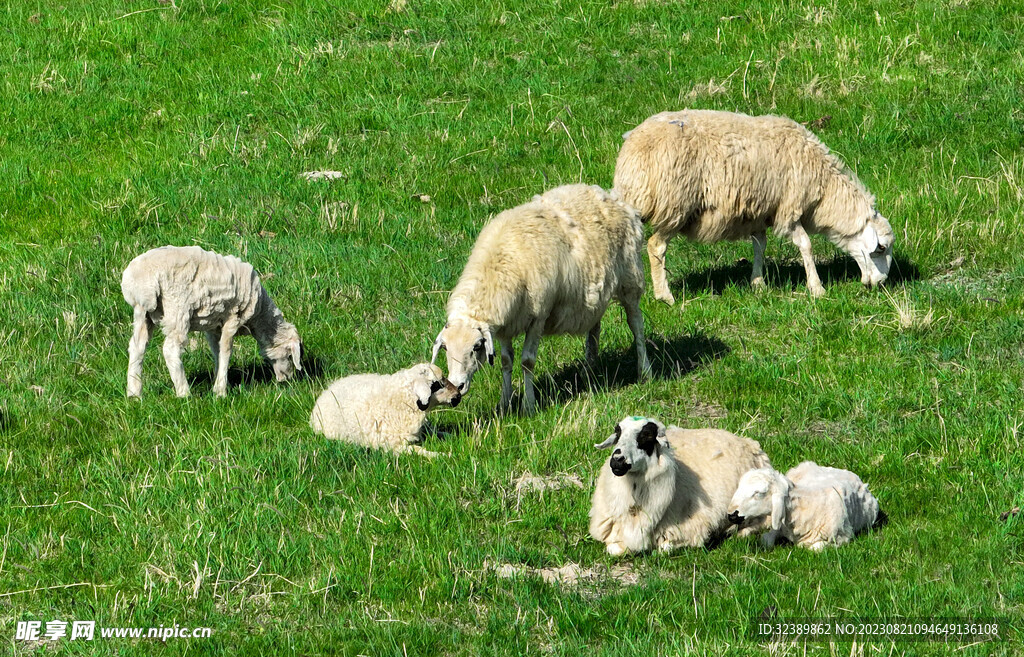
909	318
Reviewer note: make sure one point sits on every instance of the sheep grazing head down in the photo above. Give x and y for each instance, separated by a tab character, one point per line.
761	493
636	441
468	346
872	249
431	388
285	353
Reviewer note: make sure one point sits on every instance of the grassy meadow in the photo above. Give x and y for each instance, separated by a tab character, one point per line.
130	124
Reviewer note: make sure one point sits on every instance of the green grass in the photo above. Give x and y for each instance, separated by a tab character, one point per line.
128	125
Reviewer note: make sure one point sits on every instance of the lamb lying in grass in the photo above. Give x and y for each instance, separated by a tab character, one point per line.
812	506
383	411
668	487
187	289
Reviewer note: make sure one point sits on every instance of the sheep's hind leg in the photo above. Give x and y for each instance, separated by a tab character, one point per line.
173	343
593	343
213	339
508	355
636	324
142	329
803	242
529	359
759	240
657	246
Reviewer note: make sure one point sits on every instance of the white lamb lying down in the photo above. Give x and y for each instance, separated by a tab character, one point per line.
383	411
668	487
812	506
187	289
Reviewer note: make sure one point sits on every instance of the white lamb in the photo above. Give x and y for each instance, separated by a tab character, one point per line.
550	266
723	176
383	411
812	506
187	289
668	487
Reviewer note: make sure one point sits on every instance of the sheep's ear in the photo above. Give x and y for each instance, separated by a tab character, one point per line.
296	350
870	239
438	343
608	442
489	346
779	504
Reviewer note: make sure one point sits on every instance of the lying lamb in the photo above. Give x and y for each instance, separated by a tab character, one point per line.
187	289
668	487
812	506
723	176
550	266
383	411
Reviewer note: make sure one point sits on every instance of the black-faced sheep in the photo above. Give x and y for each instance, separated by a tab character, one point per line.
186	289
812	506
723	176
550	266
668	488
383	411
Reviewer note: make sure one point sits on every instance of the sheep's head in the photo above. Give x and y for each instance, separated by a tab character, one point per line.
285	352
872	249
431	389
761	493
468	345
636	441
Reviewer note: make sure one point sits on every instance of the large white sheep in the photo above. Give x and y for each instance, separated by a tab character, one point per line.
550	266
723	176
383	411
668	488
812	506
187	289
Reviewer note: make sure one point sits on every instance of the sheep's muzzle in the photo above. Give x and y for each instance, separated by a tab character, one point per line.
735	518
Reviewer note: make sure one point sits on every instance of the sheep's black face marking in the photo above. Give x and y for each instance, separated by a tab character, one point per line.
735	518
435	386
647	439
420	405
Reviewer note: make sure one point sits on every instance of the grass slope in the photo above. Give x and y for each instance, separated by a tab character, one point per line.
127	125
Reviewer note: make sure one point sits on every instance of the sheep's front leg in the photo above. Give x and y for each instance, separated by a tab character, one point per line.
142	327
529	358
227	337
508	355
803	242
173	344
657	246
593	342
769	538
760	241
636	324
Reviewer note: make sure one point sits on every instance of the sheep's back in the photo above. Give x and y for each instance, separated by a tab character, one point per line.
205	287
563	255
719	175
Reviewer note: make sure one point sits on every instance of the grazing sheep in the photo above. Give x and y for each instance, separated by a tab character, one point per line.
550	266
812	506
668	487
383	411
187	289
723	176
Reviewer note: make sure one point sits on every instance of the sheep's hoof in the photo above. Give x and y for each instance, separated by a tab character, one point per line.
666	297
134	395
816	291
615	549
758	284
